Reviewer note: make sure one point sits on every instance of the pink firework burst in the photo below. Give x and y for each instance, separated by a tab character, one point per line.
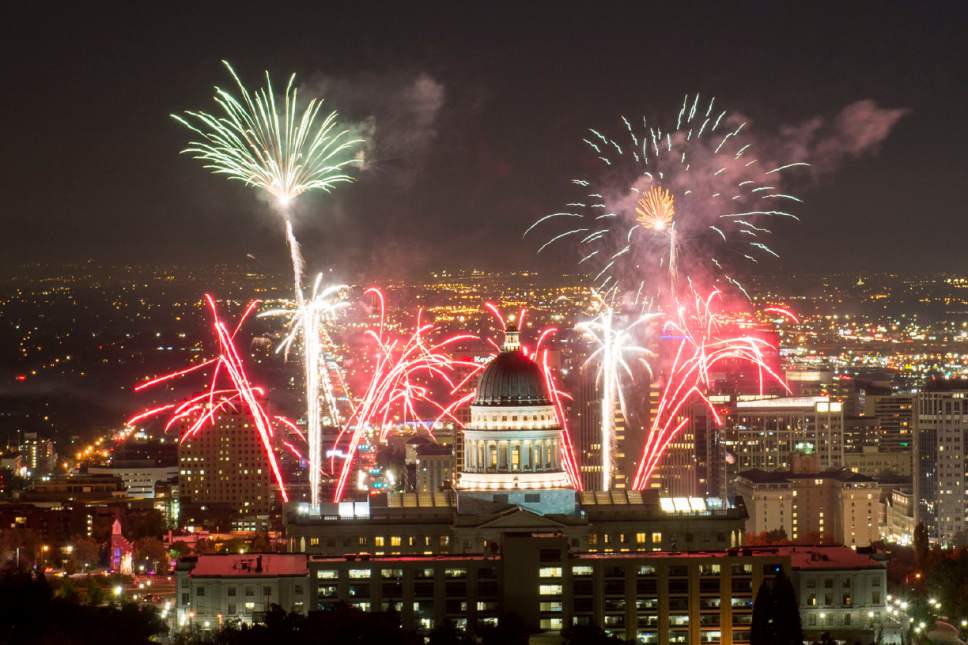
228	389
701	347
405	373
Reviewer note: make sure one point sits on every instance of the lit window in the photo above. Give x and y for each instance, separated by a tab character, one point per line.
656	537
549	572
378	540
549	590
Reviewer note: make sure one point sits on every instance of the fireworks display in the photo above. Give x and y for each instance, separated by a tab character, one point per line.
284	150
309	321
689	199
615	344
228	390
405	374
701	347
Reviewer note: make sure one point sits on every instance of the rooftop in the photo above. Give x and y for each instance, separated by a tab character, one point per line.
250	565
758	476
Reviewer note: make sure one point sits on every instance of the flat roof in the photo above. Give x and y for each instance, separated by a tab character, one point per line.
250	565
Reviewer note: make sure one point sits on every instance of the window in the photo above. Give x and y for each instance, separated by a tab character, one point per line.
455	573
199	591
581	571
230	592
267	591
327	574
549	590
646	570
656	537
231	608
549	572
378	541
359	574
298	590
875	597
395	540
640	538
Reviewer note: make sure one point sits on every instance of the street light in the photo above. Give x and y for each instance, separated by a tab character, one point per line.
117	591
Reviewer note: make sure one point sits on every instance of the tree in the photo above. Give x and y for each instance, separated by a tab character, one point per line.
151	552
446	634
921	545
510	630
85	553
587	635
762	631
786	612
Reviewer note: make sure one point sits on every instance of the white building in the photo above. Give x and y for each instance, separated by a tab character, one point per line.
138	479
215	589
940	464
841	591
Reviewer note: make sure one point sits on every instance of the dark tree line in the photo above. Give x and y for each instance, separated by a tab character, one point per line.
30	612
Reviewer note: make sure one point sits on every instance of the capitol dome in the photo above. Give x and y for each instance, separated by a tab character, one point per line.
512	379
513	440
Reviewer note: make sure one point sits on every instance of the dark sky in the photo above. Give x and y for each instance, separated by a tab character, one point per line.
90	165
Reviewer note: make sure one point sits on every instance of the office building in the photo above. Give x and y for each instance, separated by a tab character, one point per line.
224	482
874	462
940	464
765	433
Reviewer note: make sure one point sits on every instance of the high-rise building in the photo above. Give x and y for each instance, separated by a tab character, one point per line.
675	474
38	453
765	433
224	480
894	414
940	464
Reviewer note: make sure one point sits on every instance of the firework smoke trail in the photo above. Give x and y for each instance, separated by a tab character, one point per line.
202	410
614	346
400	383
686	199
699	350
308	321
285	151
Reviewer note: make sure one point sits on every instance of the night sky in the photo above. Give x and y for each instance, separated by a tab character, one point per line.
479	115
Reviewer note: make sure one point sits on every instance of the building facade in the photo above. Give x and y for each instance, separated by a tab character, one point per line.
647	596
212	590
939	460
765	433
829	507
224	482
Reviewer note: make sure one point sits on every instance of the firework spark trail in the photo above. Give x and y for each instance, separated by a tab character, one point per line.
285	151
701	347
671	201
613	345
307	321
567	449
400	382
238	393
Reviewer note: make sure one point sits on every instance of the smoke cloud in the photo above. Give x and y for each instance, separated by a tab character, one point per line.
396	115
857	130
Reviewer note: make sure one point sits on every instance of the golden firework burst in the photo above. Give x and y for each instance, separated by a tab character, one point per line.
656	209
